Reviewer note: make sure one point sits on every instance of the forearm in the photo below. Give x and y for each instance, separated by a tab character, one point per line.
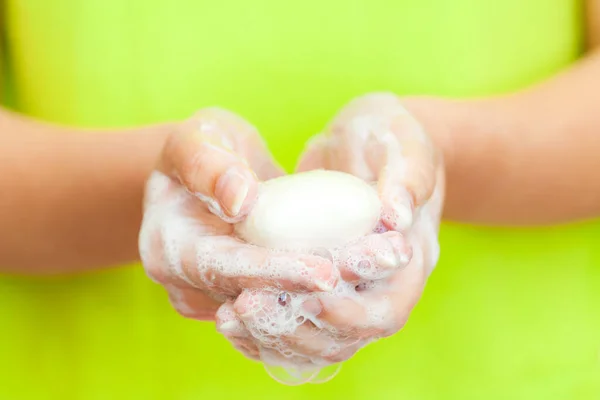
71	200
532	157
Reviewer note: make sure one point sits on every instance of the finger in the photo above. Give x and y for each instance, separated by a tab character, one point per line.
314	155
310	341
268	318
373	257
192	303
347	316
172	221
321	345
270	315
247	348
244	139
380	310
275	313
402	158
425	236
158	190
203	157
434	206
416	158
404	291
286	327
407	173
175	249
259	158
360	134
228	265
229	324
374	137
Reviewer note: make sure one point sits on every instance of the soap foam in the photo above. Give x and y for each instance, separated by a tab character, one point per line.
274	324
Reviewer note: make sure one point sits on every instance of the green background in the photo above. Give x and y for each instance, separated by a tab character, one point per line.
508	314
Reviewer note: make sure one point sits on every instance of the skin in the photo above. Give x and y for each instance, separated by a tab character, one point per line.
39	237
71	199
592	14
500	159
521	150
364	139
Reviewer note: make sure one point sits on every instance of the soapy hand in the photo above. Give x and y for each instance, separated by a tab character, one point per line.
383	275
376	138
205	181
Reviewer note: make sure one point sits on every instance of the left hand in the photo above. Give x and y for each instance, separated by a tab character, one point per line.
376	139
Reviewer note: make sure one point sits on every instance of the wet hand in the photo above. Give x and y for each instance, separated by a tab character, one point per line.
384	274
205	181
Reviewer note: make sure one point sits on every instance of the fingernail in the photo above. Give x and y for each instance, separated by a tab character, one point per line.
232	189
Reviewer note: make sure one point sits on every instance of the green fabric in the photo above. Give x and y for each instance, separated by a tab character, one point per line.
507	314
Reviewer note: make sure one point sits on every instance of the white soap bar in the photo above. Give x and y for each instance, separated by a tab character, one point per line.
311	209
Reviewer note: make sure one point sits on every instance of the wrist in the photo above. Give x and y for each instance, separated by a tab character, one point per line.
109	170
440	120
472	136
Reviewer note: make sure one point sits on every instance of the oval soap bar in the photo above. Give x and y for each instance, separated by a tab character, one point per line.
311	209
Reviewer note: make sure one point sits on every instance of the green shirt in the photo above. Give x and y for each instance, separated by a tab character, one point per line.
506	315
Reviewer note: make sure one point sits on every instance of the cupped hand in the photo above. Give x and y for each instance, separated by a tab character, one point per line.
207	180
382	275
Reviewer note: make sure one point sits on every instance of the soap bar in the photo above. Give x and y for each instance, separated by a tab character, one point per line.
311	209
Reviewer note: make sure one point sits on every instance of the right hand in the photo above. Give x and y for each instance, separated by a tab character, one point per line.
207	180
383	274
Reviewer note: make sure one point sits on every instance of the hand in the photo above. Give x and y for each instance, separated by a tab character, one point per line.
374	138
206	180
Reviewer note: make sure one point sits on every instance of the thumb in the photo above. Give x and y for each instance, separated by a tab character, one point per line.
208	154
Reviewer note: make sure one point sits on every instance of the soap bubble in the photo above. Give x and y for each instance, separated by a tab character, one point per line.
299	376
291	376
326	374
